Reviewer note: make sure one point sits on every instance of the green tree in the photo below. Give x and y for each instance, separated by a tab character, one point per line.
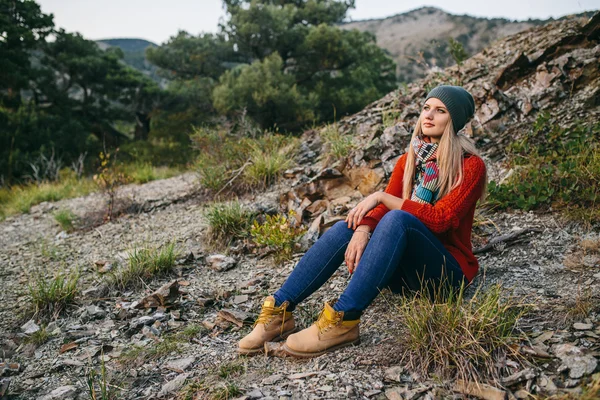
67	95
282	62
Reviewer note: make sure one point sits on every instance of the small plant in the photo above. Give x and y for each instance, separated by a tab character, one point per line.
278	234
139	355
97	384
146	263
457	51
231	369
109	178
228	221
39	337
50	296
337	146
452	337
226	391
66	219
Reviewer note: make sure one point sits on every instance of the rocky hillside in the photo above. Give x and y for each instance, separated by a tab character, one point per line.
418	39
175	336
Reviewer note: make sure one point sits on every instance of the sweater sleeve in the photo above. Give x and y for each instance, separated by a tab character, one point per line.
446	214
394	188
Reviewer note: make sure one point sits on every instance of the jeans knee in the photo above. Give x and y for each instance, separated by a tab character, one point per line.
396	217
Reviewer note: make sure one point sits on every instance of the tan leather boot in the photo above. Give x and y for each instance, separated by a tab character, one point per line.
272	325
330	332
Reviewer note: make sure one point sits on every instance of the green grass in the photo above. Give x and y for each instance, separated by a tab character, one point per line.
279	234
146	172
40	337
554	168
139	355
242	162
50	296
451	337
20	199
145	264
66	219
336	145
228	221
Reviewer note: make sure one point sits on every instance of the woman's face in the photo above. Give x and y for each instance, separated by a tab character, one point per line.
434	118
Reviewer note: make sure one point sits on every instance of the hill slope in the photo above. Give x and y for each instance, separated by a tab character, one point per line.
426	30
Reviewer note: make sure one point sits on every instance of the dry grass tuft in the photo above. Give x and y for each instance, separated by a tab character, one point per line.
451	337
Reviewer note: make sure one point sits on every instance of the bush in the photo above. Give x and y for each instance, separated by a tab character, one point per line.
554	167
457	338
50	296
278	234
228	221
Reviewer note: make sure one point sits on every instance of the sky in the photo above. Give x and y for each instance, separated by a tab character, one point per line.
158	20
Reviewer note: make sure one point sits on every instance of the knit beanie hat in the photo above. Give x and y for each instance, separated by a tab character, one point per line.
458	101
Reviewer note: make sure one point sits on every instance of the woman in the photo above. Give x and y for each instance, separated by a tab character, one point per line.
417	231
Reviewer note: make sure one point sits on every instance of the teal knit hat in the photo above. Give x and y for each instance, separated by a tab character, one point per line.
458	101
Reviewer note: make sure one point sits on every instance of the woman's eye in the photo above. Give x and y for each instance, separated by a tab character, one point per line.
441	110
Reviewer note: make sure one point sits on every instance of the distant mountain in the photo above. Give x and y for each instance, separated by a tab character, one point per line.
418	39
134	51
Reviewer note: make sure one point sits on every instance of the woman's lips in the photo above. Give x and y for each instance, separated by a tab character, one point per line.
428	125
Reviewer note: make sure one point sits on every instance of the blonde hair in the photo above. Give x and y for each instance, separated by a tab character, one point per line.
449	159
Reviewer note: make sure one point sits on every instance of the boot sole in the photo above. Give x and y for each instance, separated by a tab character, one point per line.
260	350
299	354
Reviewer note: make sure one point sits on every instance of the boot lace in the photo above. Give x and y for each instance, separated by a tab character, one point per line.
324	324
269	312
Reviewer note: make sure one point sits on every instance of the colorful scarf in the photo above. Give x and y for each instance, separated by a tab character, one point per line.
425	188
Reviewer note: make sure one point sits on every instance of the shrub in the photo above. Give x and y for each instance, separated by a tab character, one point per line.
278	234
146	263
457	338
65	219
228	221
554	167
50	296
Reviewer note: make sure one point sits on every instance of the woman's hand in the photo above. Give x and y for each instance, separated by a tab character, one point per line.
355	248
357	213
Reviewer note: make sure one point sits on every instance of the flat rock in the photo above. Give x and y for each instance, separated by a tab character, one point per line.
61	393
181	364
580	326
271	380
255	394
394	374
173	385
221	262
30	327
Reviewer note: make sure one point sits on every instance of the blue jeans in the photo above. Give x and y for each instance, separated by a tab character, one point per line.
402	254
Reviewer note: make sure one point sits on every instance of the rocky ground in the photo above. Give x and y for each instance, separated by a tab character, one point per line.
212	299
176	334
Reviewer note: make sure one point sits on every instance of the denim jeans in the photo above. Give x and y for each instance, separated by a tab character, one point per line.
402	254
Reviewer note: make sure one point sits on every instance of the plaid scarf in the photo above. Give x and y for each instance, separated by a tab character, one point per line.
425	188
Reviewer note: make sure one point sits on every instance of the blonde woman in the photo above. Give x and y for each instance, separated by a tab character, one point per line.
417	231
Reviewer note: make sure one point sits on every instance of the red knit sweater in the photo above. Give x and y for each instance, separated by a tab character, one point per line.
451	218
